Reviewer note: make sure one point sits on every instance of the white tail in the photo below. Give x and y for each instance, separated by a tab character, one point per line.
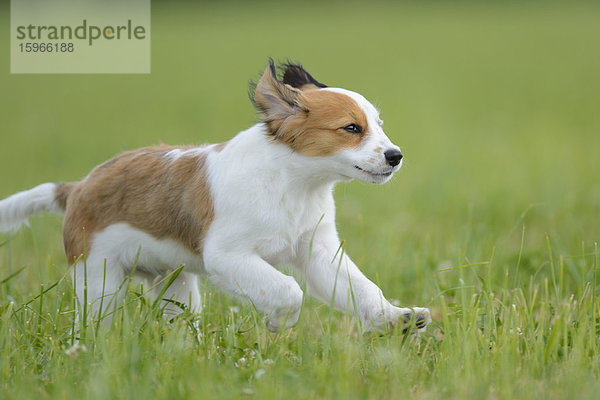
16	209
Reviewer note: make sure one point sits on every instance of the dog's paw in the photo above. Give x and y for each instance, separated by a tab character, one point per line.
417	318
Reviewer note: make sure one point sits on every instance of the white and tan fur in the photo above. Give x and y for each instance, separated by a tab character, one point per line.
236	210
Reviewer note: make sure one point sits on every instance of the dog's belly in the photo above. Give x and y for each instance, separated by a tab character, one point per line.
127	246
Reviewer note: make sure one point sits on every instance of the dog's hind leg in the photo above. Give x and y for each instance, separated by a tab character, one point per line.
182	294
99	284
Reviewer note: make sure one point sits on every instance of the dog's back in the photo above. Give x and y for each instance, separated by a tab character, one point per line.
149	190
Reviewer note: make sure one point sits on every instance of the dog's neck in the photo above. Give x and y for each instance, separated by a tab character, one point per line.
296	171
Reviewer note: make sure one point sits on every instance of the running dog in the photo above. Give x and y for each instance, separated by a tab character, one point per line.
234	211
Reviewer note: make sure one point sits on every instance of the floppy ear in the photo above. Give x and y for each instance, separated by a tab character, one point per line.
296	76
274	99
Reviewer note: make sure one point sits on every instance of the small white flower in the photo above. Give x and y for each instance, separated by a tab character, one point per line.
242	362
259	373
75	350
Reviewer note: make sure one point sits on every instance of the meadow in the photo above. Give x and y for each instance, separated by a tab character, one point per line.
493	222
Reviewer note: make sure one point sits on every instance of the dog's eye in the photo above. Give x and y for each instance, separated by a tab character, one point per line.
353	128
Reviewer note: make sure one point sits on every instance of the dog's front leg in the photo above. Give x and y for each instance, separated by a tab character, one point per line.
247	276
332	275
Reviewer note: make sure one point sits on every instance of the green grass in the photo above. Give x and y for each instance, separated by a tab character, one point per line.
493	222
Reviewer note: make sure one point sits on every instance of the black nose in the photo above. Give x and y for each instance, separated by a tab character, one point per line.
393	157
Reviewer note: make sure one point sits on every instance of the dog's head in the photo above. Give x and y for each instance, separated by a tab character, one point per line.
334	125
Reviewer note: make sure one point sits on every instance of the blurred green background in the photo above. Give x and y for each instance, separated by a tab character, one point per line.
496	107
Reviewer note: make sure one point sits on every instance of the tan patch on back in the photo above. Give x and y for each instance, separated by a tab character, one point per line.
317	129
162	196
